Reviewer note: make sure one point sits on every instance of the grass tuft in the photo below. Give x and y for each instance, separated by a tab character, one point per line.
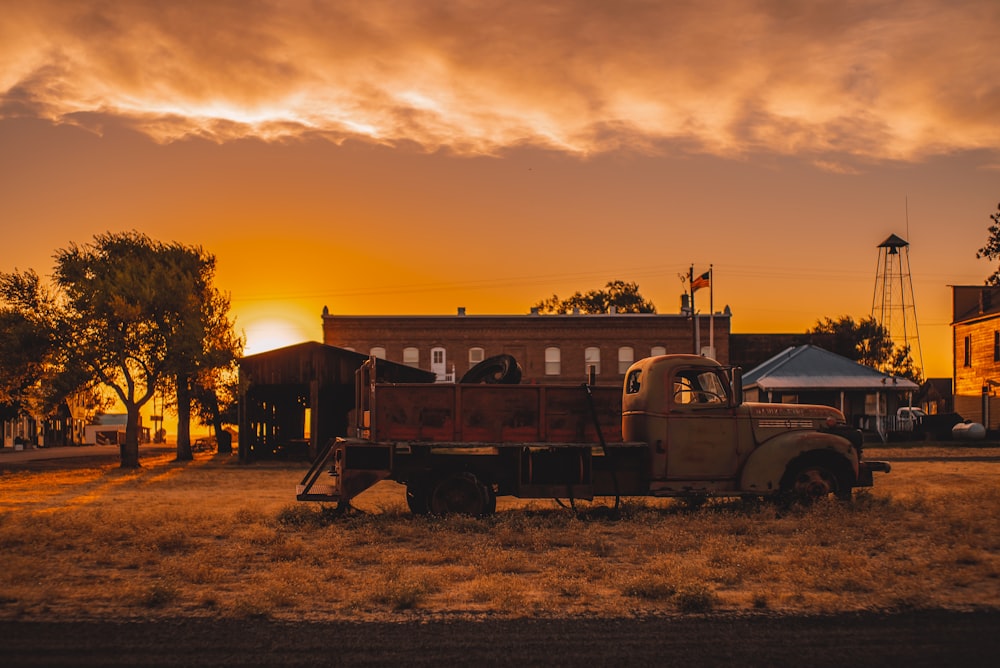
696	599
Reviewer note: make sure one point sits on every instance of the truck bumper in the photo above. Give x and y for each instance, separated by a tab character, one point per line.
865	470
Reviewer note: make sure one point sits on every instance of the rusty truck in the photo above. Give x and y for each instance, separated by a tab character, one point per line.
678	427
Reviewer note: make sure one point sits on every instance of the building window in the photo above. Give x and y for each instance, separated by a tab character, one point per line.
377	351
656	351
592	358
437	356
476	355
411	357
968	350
626	355
553	366
996	346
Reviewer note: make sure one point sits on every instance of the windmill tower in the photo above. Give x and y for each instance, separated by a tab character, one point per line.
892	303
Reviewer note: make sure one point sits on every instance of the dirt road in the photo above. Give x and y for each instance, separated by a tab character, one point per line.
912	640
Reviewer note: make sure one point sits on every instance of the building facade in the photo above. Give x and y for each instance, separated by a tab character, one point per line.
549	348
976	344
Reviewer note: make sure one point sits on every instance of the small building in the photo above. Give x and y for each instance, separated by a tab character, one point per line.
295	399
975	326
807	374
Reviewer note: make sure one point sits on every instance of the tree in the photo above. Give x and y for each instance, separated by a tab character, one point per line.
623	296
991	251
200	341
129	315
27	340
864	341
133	318
868	343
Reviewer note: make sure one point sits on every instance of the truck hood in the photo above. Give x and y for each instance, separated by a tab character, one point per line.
769	420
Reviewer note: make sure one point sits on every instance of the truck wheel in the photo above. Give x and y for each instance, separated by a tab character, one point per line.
499	369
417	498
461	494
811	480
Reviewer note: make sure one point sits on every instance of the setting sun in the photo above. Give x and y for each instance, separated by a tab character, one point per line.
267	333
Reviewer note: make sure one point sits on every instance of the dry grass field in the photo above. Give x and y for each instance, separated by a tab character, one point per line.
214	539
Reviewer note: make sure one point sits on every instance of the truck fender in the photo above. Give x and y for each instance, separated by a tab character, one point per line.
766	465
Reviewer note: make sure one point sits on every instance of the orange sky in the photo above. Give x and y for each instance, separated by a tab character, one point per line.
413	157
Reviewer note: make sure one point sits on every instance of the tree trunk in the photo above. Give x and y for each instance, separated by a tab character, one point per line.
129	450
184	453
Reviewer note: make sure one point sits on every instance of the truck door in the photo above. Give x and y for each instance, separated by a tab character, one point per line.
701	427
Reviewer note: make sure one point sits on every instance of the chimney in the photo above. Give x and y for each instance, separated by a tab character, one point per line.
461	310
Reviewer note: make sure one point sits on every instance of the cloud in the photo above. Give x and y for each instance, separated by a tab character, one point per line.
866	78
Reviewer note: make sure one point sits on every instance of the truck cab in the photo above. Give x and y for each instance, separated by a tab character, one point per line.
703	439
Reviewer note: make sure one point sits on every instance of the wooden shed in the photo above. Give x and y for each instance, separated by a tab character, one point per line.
295	399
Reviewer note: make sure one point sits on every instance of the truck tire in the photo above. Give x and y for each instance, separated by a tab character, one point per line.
461	494
808	480
499	369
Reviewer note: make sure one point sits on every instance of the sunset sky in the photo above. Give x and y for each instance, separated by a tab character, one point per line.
414	157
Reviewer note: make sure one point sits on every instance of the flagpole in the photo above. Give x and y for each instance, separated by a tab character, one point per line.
711	310
694	318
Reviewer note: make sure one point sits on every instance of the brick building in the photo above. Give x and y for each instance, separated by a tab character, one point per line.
976	343
550	348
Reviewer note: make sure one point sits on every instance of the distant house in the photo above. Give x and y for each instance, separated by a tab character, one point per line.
975	328
810	375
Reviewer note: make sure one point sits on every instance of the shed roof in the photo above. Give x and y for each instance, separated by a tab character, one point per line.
811	368
304	362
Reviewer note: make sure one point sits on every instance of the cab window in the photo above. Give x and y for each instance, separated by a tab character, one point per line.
699	387
632	384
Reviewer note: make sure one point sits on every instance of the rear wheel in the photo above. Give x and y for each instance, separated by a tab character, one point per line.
811	480
461	494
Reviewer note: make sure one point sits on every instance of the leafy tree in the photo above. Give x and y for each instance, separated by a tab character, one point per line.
867	342
200	342
130	315
991	251
133	318
27	340
623	296
901	364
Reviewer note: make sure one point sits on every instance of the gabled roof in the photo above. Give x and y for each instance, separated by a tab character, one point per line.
308	361
811	368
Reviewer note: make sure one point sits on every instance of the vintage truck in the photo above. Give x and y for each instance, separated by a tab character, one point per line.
677	428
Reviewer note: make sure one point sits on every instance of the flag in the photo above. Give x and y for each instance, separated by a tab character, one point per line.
702	281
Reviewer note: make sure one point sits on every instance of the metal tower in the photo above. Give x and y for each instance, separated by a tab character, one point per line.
893	305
